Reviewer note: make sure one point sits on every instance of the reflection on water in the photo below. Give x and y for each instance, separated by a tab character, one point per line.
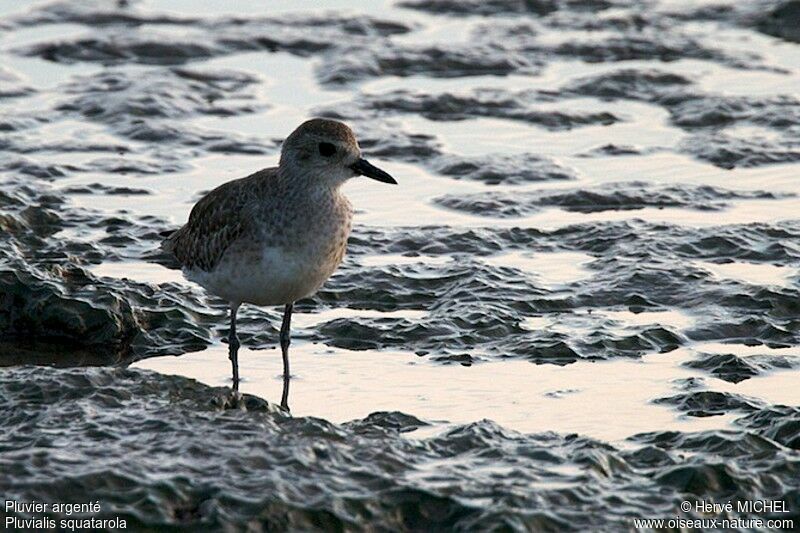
672	318
139	271
605	400
754	273
550	269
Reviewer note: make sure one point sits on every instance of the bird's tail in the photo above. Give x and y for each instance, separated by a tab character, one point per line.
169	236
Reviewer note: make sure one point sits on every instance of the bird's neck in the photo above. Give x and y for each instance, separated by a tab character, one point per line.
312	184
319	194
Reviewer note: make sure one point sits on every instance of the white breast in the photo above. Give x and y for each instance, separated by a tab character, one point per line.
274	276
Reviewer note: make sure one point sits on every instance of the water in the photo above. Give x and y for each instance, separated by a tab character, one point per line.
578	307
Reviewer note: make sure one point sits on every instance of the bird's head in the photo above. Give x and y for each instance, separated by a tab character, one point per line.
328	149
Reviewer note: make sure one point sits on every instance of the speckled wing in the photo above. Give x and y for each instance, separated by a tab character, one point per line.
216	221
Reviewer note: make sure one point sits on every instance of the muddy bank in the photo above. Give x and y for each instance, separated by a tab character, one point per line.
252	467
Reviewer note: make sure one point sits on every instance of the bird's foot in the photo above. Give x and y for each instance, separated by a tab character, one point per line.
234	400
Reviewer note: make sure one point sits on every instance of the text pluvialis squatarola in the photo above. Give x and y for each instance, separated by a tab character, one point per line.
276	236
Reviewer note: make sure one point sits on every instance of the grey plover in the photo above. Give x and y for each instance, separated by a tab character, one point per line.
276	236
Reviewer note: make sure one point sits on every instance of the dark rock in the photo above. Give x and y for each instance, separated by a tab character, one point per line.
783	21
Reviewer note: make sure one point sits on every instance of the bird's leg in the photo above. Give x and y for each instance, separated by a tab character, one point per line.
233	349
285	340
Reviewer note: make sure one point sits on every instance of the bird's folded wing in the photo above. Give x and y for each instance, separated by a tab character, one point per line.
216	221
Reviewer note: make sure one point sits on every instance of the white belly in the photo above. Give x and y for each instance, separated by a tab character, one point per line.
270	276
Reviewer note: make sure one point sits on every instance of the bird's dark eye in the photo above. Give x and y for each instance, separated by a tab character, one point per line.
326	149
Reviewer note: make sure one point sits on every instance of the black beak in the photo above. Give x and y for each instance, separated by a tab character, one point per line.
362	167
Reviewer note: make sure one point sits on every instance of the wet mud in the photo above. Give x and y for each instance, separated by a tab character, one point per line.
583	183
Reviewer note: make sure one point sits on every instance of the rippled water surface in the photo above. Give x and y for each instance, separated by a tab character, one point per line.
580	306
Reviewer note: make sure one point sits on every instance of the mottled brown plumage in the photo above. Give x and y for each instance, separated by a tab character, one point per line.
217	220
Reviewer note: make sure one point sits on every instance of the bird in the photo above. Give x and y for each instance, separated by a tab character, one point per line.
276	236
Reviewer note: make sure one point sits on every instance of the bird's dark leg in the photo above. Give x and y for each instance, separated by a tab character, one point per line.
285	340
233	348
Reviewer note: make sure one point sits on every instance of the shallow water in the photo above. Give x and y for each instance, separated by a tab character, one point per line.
598	402
604	188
